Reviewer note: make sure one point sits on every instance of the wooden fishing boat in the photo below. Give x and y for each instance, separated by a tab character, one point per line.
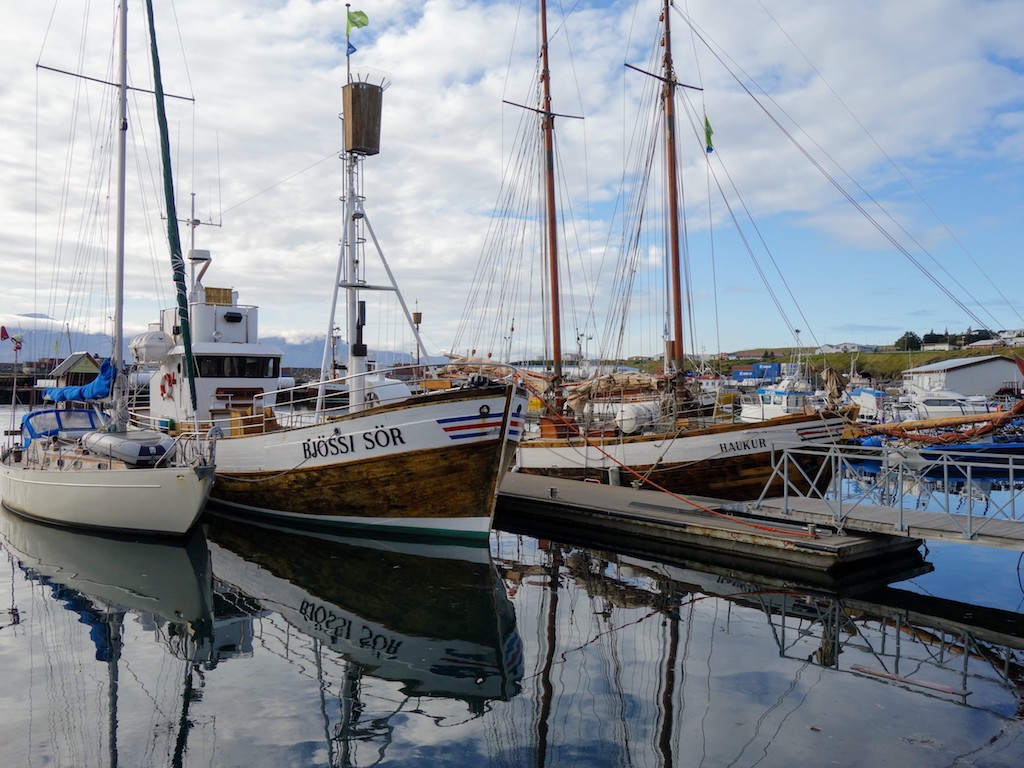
662	441
424	456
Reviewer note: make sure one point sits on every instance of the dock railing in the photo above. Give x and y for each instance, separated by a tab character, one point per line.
971	488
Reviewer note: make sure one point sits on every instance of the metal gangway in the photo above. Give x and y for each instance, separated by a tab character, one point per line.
898	489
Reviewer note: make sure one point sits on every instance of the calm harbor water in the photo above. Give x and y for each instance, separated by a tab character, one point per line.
255	646
259	646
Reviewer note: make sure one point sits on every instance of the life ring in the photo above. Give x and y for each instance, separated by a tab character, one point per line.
167	386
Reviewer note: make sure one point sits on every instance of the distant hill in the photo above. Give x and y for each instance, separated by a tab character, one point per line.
307	354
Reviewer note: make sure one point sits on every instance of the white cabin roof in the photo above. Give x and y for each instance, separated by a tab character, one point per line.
961	362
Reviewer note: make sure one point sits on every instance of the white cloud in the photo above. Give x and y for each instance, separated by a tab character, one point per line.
936	84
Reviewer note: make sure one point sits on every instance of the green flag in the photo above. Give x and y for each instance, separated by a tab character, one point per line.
356	19
707	134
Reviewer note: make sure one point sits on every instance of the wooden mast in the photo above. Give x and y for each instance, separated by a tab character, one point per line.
668	92
548	127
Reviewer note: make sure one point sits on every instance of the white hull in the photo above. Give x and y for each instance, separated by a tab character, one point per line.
416	427
469	527
772	402
163	501
919	412
751	413
676	449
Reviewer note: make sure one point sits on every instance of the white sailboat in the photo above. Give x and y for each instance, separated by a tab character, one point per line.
85	467
380	453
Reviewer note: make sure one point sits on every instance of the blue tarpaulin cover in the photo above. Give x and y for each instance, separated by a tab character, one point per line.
97	389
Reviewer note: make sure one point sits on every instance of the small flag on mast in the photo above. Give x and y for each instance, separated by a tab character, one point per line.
356	19
707	134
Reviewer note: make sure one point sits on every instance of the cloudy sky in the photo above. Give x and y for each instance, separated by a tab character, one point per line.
915	109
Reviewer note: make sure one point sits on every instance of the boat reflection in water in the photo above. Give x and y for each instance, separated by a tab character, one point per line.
289	648
396	644
433	617
343	652
148	606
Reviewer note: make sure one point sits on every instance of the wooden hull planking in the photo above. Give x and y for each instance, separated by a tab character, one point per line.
455	482
737	478
426	482
731	461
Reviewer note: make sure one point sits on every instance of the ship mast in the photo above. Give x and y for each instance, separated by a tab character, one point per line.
548	128
668	91
116	358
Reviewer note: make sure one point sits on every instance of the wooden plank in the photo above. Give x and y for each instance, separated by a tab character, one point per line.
666	523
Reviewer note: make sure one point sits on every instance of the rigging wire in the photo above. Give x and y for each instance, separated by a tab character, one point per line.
276	184
711	219
899	171
886	234
746	241
589	279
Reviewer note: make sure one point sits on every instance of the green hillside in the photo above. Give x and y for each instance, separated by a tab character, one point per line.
881	367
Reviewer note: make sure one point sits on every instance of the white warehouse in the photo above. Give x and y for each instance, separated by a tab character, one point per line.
968	375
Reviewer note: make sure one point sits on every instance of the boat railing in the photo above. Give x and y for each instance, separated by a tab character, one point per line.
252	411
65	451
316	401
972	488
193	447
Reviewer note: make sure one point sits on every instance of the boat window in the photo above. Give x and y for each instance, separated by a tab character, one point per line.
258	367
208	366
238	366
44	423
54	422
76	419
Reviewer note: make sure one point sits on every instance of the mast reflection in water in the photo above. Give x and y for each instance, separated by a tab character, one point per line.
639	662
103	641
306	650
